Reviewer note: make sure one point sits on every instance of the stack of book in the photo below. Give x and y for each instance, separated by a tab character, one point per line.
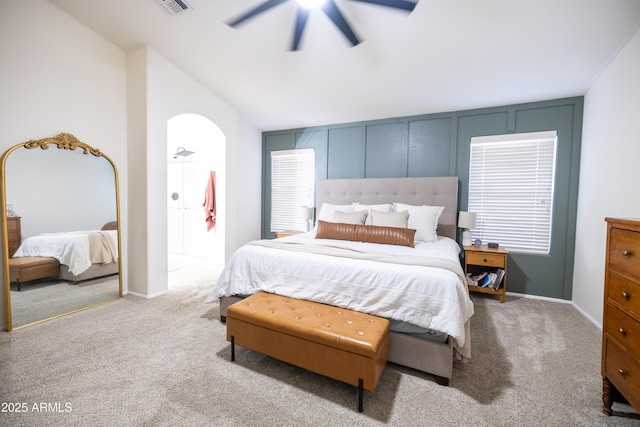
486	279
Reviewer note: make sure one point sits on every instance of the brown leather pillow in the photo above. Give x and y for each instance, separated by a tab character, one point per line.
113	225
366	233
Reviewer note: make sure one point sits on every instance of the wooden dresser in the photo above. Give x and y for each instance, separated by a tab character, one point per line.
621	321
14	234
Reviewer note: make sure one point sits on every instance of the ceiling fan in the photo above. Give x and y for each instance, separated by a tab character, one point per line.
329	8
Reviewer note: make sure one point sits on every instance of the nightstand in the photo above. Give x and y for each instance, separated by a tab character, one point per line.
286	233
478	259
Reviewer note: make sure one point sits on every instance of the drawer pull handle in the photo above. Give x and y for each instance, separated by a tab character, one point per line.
627	253
626	295
622	332
622	372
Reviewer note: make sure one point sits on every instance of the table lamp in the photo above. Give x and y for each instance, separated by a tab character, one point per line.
307	214
466	221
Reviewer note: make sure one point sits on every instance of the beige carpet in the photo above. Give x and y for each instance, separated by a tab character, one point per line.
162	362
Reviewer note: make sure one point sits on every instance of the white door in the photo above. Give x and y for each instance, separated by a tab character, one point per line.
187	231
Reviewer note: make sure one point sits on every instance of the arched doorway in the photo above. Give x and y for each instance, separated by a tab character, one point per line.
195	149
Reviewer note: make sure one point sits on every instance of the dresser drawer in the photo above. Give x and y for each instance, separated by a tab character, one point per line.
623	372
483	258
13	224
624	251
624	330
624	292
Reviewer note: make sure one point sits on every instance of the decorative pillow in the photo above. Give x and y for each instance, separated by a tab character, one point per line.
383	207
350	217
424	219
112	225
366	233
327	211
390	219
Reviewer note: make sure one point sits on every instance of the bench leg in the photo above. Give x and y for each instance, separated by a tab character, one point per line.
360	392
18	283
233	348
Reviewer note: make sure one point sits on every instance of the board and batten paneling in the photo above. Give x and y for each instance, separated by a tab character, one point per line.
438	145
386	150
346	156
434	158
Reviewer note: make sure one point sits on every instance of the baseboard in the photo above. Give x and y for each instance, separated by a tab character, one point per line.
562	301
586	315
152	296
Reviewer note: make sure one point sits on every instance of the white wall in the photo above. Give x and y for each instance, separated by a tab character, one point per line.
169	92
609	171
58	76
244	172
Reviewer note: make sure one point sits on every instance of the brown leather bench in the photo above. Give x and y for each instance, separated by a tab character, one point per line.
25	269
341	344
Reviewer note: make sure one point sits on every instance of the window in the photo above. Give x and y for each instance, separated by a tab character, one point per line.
511	180
292	187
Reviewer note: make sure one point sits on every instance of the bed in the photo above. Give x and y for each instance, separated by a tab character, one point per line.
82	255
421	289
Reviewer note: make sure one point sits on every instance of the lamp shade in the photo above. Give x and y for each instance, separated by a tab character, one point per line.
467	220
307	212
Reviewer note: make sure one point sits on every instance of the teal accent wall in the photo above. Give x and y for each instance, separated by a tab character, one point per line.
438	145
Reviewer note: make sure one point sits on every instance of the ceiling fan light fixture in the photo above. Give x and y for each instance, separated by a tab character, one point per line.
330	9
311	4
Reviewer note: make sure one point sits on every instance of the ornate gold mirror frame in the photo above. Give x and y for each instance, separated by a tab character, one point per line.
63	141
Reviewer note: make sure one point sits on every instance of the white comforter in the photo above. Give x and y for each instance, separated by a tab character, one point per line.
423	286
72	249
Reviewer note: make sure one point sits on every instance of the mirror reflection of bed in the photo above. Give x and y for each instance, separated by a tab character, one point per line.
61	212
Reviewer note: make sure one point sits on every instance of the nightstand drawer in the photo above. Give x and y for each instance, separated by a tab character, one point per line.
624	252
486	259
624	330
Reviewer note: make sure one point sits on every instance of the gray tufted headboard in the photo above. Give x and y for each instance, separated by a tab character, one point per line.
436	191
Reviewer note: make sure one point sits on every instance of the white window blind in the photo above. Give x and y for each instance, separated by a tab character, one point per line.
292	187
511	179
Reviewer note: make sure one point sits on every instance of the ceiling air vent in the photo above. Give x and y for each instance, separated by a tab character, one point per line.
174	7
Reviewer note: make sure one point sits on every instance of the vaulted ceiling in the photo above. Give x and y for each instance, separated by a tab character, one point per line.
446	55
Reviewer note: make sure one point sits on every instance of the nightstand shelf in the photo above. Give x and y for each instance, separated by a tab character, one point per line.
483	258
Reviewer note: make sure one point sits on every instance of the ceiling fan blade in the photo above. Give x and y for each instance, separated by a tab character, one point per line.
255	11
396	4
301	21
332	11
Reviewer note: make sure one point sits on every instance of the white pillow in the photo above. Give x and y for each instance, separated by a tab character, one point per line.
424	219
383	207
390	219
327	211
350	217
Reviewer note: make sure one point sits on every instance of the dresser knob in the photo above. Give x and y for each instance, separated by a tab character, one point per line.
622	372
626	295
484	260
622	332
627	253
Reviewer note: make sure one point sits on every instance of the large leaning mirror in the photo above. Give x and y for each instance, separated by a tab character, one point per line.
61	234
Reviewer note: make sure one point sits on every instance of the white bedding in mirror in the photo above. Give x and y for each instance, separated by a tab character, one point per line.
78	250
